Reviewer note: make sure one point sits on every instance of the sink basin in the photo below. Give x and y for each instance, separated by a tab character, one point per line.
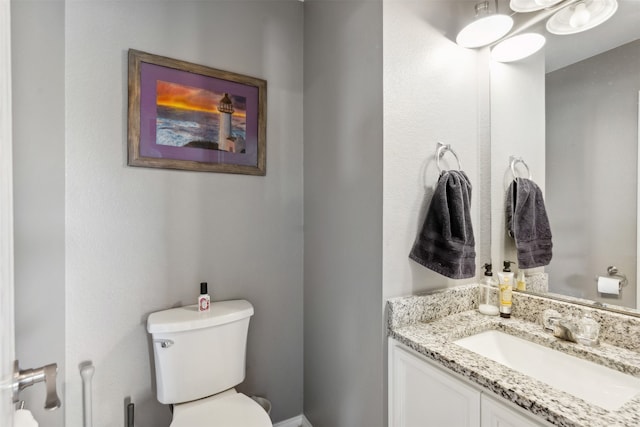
596	384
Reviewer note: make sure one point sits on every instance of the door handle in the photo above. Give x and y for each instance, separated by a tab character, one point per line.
27	377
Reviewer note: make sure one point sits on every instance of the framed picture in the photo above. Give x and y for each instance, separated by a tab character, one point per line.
192	117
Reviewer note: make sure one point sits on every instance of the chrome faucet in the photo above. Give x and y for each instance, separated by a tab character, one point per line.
565	330
559	327
583	331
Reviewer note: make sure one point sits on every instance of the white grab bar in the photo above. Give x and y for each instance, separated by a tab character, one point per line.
87	373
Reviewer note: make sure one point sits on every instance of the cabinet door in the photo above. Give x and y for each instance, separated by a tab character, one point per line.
498	414
422	395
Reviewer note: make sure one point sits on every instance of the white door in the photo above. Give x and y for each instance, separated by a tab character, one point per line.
7	346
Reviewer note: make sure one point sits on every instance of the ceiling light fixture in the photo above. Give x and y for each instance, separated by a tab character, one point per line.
488	27
518	47
563	17
581	16
524	6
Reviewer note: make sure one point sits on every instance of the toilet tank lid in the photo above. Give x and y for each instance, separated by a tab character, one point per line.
189	318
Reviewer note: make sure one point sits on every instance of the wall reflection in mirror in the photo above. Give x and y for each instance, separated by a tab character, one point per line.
589	161
591	173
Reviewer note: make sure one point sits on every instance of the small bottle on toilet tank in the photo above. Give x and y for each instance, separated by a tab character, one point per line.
204	302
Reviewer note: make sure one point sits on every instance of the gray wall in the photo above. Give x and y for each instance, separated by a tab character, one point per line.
136	240
38	155
343	328
592	153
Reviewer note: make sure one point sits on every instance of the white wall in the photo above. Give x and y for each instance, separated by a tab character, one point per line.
140	240
38	156
518	129
434	91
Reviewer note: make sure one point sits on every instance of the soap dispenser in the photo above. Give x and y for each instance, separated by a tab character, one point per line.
505	286
488	293
521	282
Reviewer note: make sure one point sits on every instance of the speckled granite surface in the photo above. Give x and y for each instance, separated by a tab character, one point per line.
430	323
537	282
616	329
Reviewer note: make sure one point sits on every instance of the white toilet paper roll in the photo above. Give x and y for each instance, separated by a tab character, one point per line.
24	418
609	285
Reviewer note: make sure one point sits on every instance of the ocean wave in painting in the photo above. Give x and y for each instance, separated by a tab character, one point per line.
177	128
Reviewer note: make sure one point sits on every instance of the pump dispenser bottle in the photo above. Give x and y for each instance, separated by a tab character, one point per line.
204	301
505	285
488	293
521	282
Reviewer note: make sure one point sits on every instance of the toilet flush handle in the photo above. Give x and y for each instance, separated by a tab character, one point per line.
164	343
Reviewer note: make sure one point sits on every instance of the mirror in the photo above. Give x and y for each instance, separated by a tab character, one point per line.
571	112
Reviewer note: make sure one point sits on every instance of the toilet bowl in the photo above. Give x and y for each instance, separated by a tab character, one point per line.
227	409
199	359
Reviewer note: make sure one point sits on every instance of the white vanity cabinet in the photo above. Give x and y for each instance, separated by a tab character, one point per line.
494	413
422	394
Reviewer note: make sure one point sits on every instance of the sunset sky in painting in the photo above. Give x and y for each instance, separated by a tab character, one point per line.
190	98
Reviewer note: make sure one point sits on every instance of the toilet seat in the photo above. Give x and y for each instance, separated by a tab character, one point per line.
228	409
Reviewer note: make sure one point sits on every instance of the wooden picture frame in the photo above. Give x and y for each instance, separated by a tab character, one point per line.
191	117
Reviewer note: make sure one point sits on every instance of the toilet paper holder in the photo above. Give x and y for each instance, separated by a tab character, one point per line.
613	271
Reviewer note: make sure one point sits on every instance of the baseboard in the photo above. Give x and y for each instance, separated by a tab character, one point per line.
299	421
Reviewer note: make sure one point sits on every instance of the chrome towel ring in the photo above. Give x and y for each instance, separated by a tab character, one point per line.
442	149
513	160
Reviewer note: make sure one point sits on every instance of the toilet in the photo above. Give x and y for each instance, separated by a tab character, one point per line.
200	358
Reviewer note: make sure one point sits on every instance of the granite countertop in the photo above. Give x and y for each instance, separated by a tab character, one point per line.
432	335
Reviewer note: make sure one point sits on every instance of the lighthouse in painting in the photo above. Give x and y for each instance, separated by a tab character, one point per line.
225	138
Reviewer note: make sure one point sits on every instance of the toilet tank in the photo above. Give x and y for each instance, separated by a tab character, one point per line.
199	354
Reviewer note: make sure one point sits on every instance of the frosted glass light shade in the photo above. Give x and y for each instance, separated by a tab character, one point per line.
518	47
582	16
525	6
484	31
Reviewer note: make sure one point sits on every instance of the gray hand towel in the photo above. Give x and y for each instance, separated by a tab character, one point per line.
445	243
528	224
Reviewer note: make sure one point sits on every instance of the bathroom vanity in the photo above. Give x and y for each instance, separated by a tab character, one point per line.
421	390
438	375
